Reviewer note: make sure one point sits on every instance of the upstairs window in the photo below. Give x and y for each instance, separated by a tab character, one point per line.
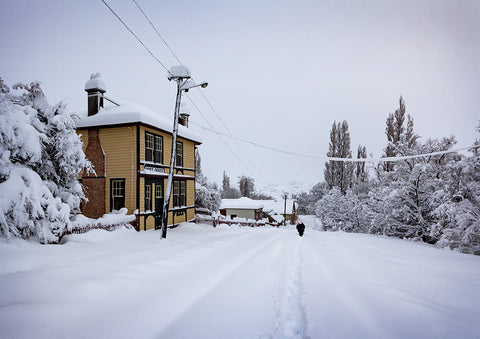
158	149
149	145
153	148
179	154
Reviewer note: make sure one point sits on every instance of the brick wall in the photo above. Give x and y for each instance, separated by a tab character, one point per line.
94	183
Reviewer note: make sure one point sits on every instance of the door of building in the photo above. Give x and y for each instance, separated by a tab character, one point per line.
158	203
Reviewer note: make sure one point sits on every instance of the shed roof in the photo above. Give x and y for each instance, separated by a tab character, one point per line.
278	205
243	203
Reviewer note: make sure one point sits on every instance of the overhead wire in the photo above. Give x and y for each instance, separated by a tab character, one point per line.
155	29
158	60
312	156
230	135
136	36
203	95
243	164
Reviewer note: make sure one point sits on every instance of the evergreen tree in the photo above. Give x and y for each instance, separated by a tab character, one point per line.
229	192
395	131
41	156
246	186
339	174
225	182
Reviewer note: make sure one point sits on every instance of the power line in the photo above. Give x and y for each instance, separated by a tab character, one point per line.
236	156
230	134
150	52
311	156
372	160
136	37
213	109
158	33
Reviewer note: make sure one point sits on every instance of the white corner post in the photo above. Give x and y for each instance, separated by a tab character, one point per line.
181	74
172	160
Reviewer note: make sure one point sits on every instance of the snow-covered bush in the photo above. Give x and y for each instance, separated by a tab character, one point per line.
458	223
207	194
342	212
40	158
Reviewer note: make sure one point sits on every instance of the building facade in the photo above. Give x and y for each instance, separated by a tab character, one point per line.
242	208
130	148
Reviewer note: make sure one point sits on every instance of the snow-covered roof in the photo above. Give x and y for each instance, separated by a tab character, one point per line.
129	112
278	206
243	203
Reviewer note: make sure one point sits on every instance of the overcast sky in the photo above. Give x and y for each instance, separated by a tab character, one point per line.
279	72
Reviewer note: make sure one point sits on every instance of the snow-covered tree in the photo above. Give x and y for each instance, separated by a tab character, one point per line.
403	205
306	201
229	192
207	194
344	212
339	174
396	131
246	186
458	211
40	158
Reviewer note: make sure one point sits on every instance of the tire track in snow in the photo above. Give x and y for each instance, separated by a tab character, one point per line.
291	320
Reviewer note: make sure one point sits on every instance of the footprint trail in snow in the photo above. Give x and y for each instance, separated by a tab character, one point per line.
291	321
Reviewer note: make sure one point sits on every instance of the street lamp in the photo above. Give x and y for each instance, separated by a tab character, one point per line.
181	74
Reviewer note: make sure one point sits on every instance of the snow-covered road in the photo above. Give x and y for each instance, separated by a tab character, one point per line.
232	282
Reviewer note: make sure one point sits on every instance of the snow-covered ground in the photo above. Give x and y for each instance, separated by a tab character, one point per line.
232	282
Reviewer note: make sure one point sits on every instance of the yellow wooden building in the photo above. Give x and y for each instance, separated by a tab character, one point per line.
130	148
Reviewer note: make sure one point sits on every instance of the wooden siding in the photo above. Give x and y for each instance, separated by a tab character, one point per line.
241	213
119	146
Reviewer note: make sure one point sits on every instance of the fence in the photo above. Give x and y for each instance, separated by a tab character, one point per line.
214	221
108	222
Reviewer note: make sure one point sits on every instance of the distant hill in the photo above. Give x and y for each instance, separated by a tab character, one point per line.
292	187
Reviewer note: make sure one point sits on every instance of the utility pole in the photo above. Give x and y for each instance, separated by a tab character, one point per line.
285	208
181	74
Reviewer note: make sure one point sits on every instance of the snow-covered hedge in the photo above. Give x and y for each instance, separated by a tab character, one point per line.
82	224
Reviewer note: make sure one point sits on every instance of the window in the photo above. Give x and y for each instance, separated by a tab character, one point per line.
149	144
148	197
182	197
117	194
175	193
159	191
179	153
179	193
153	148
158	149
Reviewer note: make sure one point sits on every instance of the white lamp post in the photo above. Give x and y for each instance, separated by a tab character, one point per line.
181	74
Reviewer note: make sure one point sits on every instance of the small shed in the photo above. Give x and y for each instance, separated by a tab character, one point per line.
280	207
242	208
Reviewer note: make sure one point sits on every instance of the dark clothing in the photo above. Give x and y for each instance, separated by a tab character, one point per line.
300	229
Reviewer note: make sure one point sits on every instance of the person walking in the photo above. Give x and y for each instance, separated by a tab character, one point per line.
300	228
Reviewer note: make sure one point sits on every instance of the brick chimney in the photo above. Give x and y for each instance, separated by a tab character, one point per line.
184	114
95	88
